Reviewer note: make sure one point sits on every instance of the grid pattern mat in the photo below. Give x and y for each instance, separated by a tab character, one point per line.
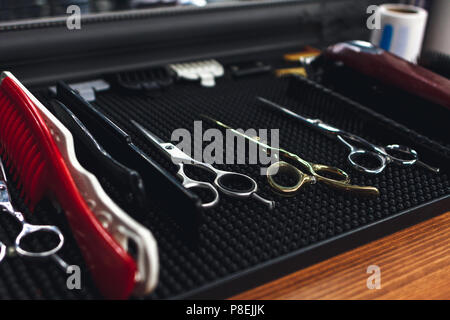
237	234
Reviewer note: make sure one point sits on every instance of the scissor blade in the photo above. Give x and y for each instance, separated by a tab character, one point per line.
149	135
279	108
238	133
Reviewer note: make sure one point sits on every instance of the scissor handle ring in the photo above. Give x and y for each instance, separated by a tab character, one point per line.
190	184
275	167
355	153
28	229
240	193
402	149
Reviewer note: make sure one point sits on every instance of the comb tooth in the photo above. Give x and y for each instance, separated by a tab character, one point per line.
27	143
15	146
3	102
10	118
18	135
3	99
6	119
19	185
12	132
7	133
6	158
22	167
25	148
27	164
22	194
36	191
29	174
19	163
24	134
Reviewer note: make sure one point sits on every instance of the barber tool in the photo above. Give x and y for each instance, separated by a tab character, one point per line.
401	30
303	57
127	181
300	71
27	229
249	68
40	150
185	207
221	177
144	80
389	69
312	170
87	89
206	71
383	155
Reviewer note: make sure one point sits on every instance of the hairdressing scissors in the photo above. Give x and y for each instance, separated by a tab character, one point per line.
221	177
383	155
312	170
27	229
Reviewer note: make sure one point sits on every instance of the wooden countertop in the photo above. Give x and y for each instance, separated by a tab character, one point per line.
414	264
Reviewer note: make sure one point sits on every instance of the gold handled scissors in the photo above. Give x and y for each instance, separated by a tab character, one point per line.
310	172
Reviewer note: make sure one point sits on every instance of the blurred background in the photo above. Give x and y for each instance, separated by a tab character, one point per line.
26	9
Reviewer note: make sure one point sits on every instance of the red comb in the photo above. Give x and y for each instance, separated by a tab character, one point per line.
39	169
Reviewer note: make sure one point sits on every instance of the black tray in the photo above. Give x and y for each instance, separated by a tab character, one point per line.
241	243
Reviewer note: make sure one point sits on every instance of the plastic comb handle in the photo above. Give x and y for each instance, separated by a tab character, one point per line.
112	269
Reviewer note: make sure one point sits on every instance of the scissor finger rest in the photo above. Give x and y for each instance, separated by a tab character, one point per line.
363	190
340	174
29	229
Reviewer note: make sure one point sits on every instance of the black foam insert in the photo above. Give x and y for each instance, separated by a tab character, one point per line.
238	235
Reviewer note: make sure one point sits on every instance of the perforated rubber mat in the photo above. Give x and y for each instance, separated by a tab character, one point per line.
240	235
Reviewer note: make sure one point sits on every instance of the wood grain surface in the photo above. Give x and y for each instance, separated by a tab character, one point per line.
414	264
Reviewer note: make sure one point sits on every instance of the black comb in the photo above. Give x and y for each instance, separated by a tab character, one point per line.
127	181
146	80
181	204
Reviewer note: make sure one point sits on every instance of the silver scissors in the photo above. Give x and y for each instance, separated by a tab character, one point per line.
221	177
27	229
383	155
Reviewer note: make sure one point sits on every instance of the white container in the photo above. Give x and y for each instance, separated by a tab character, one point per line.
402	30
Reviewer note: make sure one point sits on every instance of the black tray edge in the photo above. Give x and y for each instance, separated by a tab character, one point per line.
321	251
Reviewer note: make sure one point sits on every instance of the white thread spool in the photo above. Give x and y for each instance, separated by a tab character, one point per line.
402	30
